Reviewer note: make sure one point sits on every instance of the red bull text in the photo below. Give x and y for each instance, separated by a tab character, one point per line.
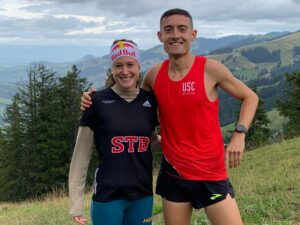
122	52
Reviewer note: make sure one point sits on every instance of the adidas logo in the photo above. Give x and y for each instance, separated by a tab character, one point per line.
147	104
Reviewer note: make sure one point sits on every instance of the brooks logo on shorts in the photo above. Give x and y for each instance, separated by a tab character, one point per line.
215	196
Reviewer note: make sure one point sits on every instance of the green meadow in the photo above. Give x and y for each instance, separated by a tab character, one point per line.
267	187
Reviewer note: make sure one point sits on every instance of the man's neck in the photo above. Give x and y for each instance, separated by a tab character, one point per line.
180	66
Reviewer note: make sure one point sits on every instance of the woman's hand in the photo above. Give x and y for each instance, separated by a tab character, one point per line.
80	219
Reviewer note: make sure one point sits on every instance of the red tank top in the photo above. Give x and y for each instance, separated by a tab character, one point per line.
191	136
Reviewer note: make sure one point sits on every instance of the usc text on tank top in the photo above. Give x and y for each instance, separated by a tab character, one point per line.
191	136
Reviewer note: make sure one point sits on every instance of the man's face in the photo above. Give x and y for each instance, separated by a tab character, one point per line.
176	34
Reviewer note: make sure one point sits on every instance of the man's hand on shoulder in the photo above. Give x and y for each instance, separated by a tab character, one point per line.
86	100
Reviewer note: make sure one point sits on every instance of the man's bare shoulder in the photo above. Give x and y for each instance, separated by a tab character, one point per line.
150	77
212	65
153	70
216	70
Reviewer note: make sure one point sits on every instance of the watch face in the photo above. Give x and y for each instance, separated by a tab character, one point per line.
241	128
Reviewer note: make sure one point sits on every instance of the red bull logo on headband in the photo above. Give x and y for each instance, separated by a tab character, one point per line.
124	48
122	44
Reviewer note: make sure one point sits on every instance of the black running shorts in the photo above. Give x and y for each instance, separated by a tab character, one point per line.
200	193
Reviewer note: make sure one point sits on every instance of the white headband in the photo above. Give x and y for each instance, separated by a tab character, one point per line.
124	48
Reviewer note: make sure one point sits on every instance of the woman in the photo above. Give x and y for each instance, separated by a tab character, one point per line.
120	121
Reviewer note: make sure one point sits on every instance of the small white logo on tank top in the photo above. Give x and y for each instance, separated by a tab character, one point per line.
189	88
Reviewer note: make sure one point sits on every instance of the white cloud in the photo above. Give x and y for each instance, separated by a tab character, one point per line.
86	19
91	22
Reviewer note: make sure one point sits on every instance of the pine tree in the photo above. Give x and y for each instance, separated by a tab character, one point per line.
23	136
258	133
39	134
12	153
290	108
38	106
67	117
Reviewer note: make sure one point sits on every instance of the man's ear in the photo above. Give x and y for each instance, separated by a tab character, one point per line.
194	35
159	36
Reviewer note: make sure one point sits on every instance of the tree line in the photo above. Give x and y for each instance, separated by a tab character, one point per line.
38	135
261	55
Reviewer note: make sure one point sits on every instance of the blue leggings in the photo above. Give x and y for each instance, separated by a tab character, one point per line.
122	212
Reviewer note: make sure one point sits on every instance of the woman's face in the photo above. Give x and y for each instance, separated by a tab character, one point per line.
126	72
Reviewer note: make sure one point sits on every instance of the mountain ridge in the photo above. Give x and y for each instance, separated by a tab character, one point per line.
234	51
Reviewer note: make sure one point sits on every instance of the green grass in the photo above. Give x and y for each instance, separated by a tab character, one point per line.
268	184
267	187
52	211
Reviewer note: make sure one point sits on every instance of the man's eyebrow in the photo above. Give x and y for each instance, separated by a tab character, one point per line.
168	26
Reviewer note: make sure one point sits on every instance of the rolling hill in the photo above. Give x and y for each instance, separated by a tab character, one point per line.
244	67
263	58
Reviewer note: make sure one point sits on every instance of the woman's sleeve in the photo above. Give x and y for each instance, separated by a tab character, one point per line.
78	169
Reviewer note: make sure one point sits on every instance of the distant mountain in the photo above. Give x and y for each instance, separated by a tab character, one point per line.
263	57
20	54
94	67
204	46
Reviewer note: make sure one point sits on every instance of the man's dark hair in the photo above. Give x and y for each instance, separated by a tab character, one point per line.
176	11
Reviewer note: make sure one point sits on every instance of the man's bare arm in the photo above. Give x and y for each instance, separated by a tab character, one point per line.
224	79
150	77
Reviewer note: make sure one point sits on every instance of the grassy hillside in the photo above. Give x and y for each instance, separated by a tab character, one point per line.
241	66
267	187
286	45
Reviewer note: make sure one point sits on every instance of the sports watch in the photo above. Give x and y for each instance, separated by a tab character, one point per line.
240	128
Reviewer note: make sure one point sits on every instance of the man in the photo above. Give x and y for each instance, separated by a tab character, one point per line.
193	172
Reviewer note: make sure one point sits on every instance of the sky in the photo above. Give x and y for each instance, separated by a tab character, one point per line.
97	23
